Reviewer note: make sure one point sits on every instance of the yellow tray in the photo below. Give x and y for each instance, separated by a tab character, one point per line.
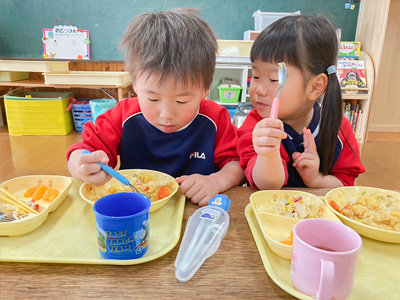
34	66
119	79
377	274
69	235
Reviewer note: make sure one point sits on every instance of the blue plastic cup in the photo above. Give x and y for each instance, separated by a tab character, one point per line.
122	221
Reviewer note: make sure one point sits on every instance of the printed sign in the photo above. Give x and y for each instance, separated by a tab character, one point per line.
66	41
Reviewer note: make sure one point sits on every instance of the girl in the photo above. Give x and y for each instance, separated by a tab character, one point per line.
309	144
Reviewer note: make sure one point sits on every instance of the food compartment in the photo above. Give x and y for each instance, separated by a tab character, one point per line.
26	223
277	211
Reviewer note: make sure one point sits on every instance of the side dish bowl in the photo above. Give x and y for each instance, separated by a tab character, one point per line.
147	182
365	198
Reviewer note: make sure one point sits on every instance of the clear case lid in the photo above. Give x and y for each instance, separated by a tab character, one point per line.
203	234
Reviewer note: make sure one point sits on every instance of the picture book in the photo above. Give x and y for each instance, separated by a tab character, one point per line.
351	74
350	50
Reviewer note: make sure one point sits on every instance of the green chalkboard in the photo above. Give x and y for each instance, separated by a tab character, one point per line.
22	21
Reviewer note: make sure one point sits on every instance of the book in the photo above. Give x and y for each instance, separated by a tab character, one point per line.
354	113
352	74
350	50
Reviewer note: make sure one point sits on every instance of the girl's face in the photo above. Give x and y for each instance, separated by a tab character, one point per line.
294	104
169	106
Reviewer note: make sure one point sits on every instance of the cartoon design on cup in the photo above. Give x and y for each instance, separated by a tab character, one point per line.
122	221
142	237
101	239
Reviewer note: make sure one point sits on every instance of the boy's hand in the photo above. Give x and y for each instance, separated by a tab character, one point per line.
90	171
267	136
307	163
198	188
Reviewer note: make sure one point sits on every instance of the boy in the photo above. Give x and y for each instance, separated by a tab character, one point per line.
170	56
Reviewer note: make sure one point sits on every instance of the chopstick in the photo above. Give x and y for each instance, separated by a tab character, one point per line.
15	201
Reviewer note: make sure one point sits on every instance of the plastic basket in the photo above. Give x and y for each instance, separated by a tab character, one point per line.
100	106
81	114
38	113
229	94
232	110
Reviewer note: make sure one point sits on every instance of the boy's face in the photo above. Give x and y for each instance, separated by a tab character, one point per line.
169	106
293	99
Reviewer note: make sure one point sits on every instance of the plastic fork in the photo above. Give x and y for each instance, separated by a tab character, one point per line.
282	73
113	173
6	218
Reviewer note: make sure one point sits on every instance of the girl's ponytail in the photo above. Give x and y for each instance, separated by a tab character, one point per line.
331	119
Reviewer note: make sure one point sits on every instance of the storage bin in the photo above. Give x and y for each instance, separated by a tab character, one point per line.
232	110
229	90
34	66
81	114
243	47
264	19
100	106
38	113
229	94
13	76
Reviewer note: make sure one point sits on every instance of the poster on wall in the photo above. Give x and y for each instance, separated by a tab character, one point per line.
66	41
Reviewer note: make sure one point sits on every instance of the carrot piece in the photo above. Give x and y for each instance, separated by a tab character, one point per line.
334	205
53	194
163	192
38	194
289	241
29	192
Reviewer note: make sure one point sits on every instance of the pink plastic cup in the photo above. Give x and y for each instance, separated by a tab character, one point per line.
324	258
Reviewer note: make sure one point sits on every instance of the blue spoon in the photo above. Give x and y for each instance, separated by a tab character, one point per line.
113	173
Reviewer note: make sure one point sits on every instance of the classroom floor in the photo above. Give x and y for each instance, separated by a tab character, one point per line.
34	155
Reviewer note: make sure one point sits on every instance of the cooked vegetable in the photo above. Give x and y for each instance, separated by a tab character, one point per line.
163	192
289	241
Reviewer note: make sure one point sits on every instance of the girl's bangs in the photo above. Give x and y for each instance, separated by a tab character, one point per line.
274	47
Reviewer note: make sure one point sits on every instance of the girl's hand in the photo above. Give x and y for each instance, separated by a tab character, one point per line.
198	188
90	171
307	163
267	136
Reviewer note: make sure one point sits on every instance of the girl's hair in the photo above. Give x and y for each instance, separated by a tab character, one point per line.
176	44
310	44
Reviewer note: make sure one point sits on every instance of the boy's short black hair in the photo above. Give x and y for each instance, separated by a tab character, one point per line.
176	44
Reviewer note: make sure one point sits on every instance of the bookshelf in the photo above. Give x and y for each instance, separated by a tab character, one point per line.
361	98
81	78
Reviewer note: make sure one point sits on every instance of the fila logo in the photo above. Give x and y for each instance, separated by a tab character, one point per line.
197	155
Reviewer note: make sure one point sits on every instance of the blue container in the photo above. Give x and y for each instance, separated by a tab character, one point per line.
100	106
81	114
232	110
122	221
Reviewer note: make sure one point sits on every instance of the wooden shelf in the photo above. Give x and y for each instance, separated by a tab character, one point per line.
355	96
364	100
122	90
